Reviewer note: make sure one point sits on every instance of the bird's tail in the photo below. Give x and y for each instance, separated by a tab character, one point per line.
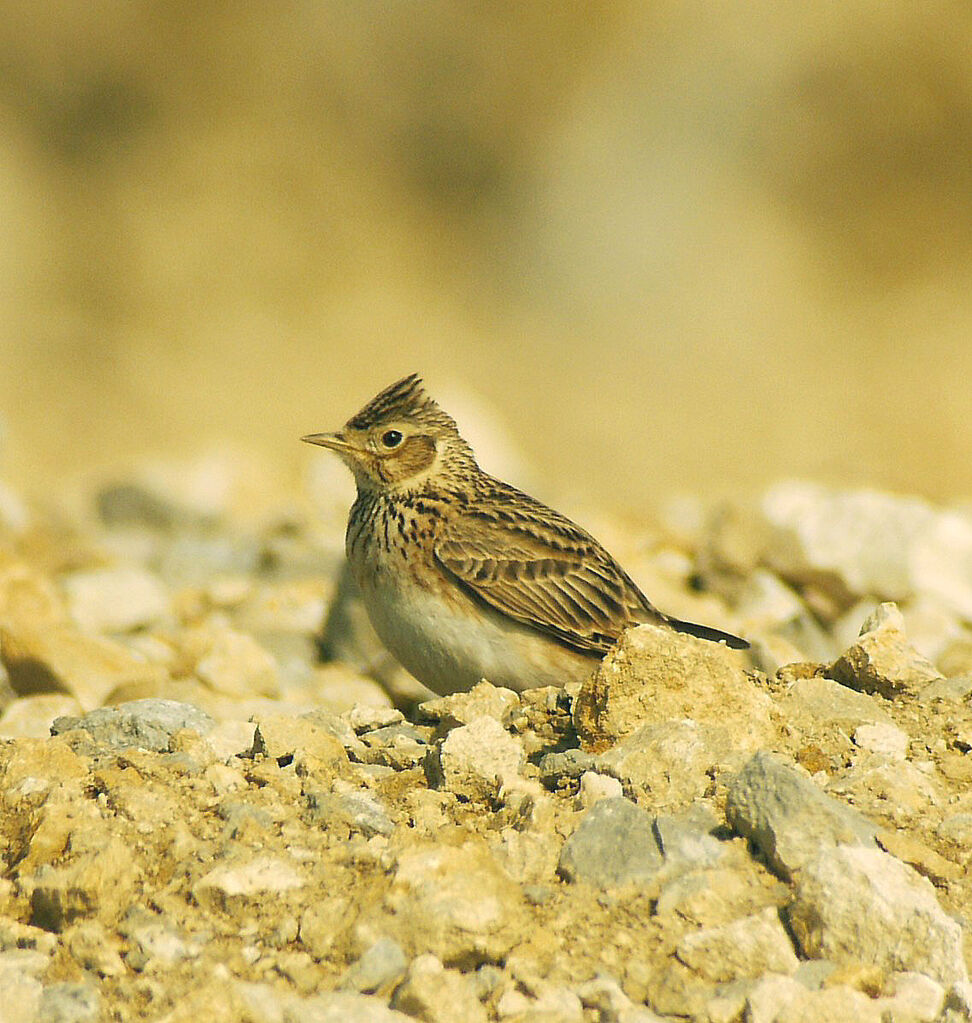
706	632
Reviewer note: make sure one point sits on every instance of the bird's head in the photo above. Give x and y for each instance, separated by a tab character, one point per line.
400	441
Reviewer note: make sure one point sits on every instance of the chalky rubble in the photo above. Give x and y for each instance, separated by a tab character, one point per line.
200	820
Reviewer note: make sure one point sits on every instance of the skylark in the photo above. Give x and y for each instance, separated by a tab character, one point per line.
465	577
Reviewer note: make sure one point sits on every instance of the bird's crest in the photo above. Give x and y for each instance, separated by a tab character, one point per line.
406	399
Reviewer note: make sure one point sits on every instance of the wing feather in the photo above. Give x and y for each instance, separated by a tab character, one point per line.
536	566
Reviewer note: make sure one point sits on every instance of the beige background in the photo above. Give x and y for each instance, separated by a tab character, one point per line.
675	246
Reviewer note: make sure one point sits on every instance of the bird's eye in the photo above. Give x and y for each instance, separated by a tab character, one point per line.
391	438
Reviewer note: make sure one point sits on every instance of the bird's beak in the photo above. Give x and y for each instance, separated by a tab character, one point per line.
334	441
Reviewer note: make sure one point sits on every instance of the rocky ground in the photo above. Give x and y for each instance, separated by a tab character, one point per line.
221	801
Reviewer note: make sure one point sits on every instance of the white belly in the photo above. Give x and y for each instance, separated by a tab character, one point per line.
450	645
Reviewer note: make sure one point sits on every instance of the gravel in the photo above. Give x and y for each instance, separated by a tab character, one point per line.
198	820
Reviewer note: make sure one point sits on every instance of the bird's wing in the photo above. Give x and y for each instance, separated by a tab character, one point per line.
536	566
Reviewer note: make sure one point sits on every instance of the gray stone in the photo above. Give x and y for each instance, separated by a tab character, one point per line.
538	894
787	816
70	1003
140	724
854	903
526	851
295	655
557	768
941	562
378	969
671	992
614	844
240	999
686	839
24	962
764	601
485	980
857	538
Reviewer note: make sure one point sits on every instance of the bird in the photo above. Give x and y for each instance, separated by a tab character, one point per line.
465	577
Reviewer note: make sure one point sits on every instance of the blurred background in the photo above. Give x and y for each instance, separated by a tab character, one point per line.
671	246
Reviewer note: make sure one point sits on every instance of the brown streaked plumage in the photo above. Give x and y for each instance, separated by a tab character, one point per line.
464	576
